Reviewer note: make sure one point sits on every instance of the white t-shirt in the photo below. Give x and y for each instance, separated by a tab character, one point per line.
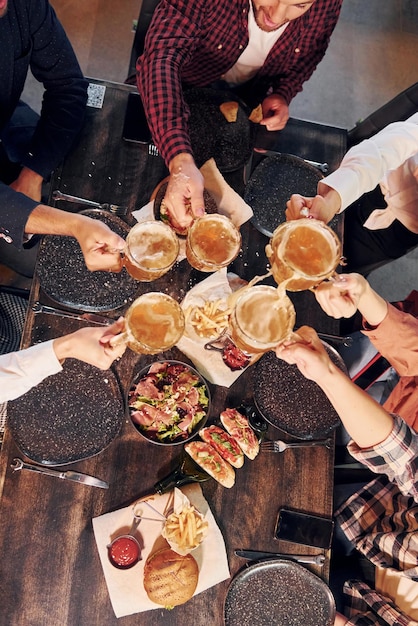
259	45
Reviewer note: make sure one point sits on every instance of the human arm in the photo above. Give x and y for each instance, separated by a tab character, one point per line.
361	170
53	63
382	322
346	294
100	246
20	371
366	421
29	183
184	195
300	49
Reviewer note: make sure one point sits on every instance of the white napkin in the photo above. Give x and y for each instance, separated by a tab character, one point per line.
208	362
229	203
125	587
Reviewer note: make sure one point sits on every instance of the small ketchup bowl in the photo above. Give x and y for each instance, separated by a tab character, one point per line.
124	552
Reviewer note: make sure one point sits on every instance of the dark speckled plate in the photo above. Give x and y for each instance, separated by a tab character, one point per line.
291	402
64	277
278	592
272	183
211	135
68	417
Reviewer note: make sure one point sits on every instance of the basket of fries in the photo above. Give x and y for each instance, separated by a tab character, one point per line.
206	319
185	528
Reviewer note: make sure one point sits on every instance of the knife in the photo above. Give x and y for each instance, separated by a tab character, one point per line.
323	167
318	559
84	479
89	317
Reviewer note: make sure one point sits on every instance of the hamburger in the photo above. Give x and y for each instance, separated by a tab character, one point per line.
170	579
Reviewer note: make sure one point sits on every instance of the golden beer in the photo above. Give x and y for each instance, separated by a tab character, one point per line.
151	250
212	242
262	318
154	323
303	253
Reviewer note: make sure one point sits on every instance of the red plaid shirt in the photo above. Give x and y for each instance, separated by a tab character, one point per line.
196	41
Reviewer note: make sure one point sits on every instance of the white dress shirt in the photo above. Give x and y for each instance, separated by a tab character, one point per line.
389	158
20	371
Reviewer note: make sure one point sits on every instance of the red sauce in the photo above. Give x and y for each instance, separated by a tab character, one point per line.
124	552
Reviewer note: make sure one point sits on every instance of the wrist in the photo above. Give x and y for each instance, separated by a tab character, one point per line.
372	307
181	160
331	197
62	348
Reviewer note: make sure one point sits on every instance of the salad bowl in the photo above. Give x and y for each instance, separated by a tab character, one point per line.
168	402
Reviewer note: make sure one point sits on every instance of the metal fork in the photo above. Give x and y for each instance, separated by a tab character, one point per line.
281	446
153	150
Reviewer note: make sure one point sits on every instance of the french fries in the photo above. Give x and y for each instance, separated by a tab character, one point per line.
210	320
186	530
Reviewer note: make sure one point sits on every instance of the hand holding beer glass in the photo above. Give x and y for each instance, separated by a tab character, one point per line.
212	243
262	317
303	253
153	323
151	250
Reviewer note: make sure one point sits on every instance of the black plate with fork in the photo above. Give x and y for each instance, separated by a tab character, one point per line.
291	402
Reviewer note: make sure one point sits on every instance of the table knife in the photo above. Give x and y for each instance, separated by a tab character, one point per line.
317	559
89	317
85	479
323	167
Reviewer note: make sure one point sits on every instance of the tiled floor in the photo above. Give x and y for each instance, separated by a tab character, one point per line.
371	58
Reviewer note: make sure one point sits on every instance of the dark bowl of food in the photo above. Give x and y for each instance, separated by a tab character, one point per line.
168	402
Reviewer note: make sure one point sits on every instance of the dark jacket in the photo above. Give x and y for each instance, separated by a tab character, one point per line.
32	37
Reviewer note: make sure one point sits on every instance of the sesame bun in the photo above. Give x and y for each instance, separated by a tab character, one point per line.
170	579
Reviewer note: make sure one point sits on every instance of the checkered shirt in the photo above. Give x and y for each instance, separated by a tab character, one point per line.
196	41
381	520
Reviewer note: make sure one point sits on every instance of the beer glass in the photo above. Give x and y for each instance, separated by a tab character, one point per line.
262	317
212	242
151	250
303	253
153	323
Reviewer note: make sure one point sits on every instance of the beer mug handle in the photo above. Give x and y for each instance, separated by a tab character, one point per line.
119	340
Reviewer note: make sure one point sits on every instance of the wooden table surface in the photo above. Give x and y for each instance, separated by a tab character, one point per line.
50	570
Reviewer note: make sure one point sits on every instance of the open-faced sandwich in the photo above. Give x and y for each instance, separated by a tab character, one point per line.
211	461
224	444
237	425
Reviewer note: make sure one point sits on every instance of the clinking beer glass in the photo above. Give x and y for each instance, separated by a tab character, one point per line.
151	250
303	253
153	323
212	243
262	317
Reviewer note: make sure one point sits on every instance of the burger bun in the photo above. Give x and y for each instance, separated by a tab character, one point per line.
170	579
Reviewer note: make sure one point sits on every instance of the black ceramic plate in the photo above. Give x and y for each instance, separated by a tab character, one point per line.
211	135
280	593
68	417
291	402
65	278
272	183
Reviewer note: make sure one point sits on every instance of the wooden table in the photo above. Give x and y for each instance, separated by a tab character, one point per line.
50	571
